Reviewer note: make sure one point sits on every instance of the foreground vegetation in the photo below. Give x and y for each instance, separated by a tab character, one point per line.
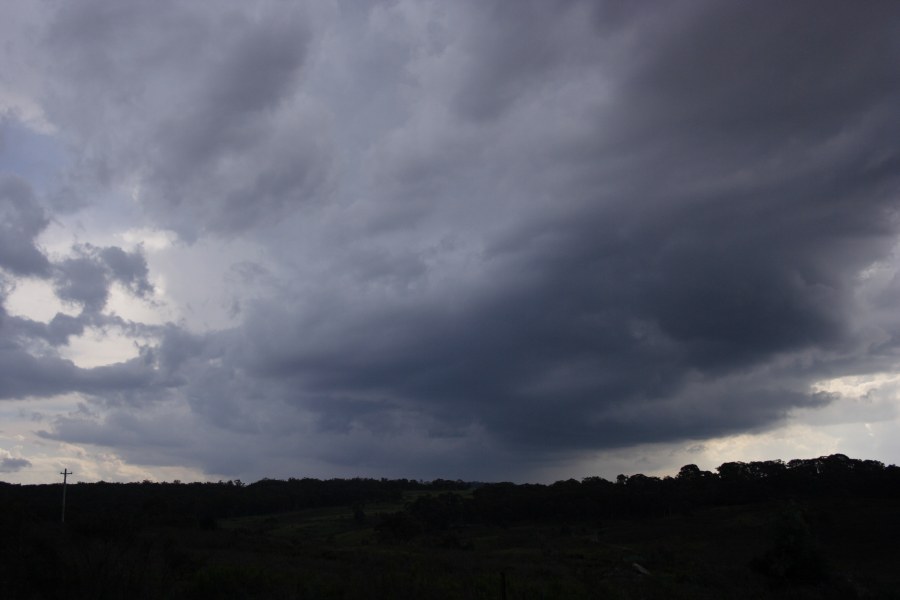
819	528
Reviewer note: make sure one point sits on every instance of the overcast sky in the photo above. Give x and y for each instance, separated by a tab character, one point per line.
495	240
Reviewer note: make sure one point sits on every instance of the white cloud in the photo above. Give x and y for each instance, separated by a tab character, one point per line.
95	348
35	299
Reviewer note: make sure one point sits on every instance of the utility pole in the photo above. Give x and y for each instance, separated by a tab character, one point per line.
65	473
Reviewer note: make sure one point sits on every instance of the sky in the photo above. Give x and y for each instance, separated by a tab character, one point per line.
482	240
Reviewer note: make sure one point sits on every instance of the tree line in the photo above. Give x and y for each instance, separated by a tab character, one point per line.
128	506
640	495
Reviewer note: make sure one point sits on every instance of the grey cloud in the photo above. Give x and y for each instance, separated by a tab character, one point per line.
262	68
12	465
515	50
802	78
24	375
30	365
124	430
21	220
717	220
207	109
83	281
85	278
606	226
129	268
56	333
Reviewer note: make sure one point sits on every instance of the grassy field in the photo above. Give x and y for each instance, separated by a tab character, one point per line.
820	548
334	553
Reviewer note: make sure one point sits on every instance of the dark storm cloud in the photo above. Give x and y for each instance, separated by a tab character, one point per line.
740	174
21	220
554	228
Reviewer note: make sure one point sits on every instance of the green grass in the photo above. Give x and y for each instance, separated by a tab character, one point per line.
327	553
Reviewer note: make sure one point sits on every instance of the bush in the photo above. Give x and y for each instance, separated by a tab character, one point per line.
793	556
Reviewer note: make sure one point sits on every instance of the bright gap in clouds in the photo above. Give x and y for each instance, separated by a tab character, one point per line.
151	240
857	385
34	299
149	312
795	440
20	439
96	347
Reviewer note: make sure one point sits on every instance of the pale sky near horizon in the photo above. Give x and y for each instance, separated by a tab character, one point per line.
497	240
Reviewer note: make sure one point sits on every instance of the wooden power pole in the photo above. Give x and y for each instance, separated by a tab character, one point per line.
65	473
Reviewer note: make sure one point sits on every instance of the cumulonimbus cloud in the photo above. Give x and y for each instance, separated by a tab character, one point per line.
538	228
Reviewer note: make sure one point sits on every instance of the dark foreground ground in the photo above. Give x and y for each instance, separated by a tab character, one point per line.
807	529
838	549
